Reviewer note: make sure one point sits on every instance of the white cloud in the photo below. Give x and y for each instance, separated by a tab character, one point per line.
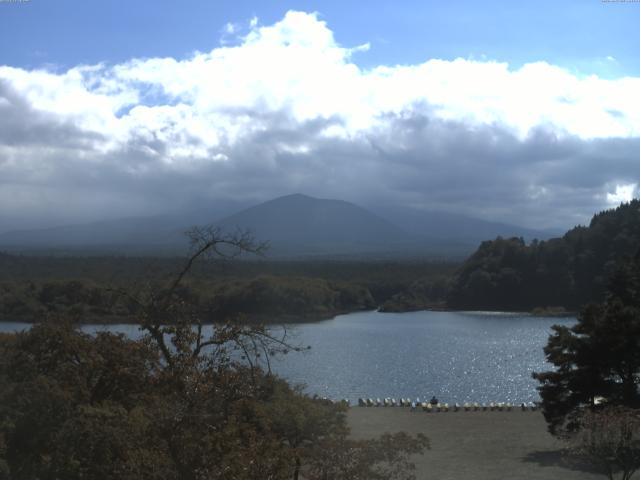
296	65
289	90
623	193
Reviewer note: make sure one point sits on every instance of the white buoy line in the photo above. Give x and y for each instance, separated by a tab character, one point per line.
429	406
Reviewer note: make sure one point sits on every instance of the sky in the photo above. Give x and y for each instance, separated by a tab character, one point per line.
521	112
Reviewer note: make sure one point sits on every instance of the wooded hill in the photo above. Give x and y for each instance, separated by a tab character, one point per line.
508	274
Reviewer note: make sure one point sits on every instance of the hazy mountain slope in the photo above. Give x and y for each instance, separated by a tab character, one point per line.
121	231
138	232
296	224
455	227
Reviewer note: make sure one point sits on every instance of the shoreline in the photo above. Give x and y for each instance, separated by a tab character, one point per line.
247	319
288	319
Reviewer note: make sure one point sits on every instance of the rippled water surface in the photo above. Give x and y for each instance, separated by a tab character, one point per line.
456	356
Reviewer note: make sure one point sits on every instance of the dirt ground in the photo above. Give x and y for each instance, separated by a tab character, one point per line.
476	445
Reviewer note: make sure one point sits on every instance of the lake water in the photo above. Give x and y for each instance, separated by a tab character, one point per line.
457	356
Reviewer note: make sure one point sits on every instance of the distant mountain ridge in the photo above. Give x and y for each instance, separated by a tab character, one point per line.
131	230
294	225
445	225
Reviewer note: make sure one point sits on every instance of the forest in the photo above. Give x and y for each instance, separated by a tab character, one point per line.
86	288
566	272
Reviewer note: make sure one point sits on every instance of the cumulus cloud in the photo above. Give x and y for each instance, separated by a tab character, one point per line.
283	107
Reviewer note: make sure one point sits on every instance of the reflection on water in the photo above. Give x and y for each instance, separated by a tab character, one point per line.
457	356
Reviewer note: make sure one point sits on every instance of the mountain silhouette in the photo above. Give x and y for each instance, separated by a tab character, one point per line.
294	225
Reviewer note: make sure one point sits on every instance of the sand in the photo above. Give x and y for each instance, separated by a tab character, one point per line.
476	445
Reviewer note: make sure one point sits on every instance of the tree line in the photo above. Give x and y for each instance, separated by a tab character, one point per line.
266	298
508	274
84	288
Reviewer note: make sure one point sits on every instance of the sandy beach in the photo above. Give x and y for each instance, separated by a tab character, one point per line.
476	445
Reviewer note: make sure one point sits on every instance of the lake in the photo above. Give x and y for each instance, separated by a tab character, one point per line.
457	356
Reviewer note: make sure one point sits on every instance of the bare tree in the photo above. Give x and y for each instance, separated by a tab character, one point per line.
610	439
177	327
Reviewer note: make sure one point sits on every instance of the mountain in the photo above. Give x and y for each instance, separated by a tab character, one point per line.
294	225
302	225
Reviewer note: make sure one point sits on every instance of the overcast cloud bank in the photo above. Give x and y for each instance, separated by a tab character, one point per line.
283	108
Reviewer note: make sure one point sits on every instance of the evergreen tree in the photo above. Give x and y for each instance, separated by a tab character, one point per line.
598	359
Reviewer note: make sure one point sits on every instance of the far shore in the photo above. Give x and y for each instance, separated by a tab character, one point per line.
248	319
482	445
287	319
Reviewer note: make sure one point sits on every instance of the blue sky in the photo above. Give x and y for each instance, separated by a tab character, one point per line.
577	34
500	110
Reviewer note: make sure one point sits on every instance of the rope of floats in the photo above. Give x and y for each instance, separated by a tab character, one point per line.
427	406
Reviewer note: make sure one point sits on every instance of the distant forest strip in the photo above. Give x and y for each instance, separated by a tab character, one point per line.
85	288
